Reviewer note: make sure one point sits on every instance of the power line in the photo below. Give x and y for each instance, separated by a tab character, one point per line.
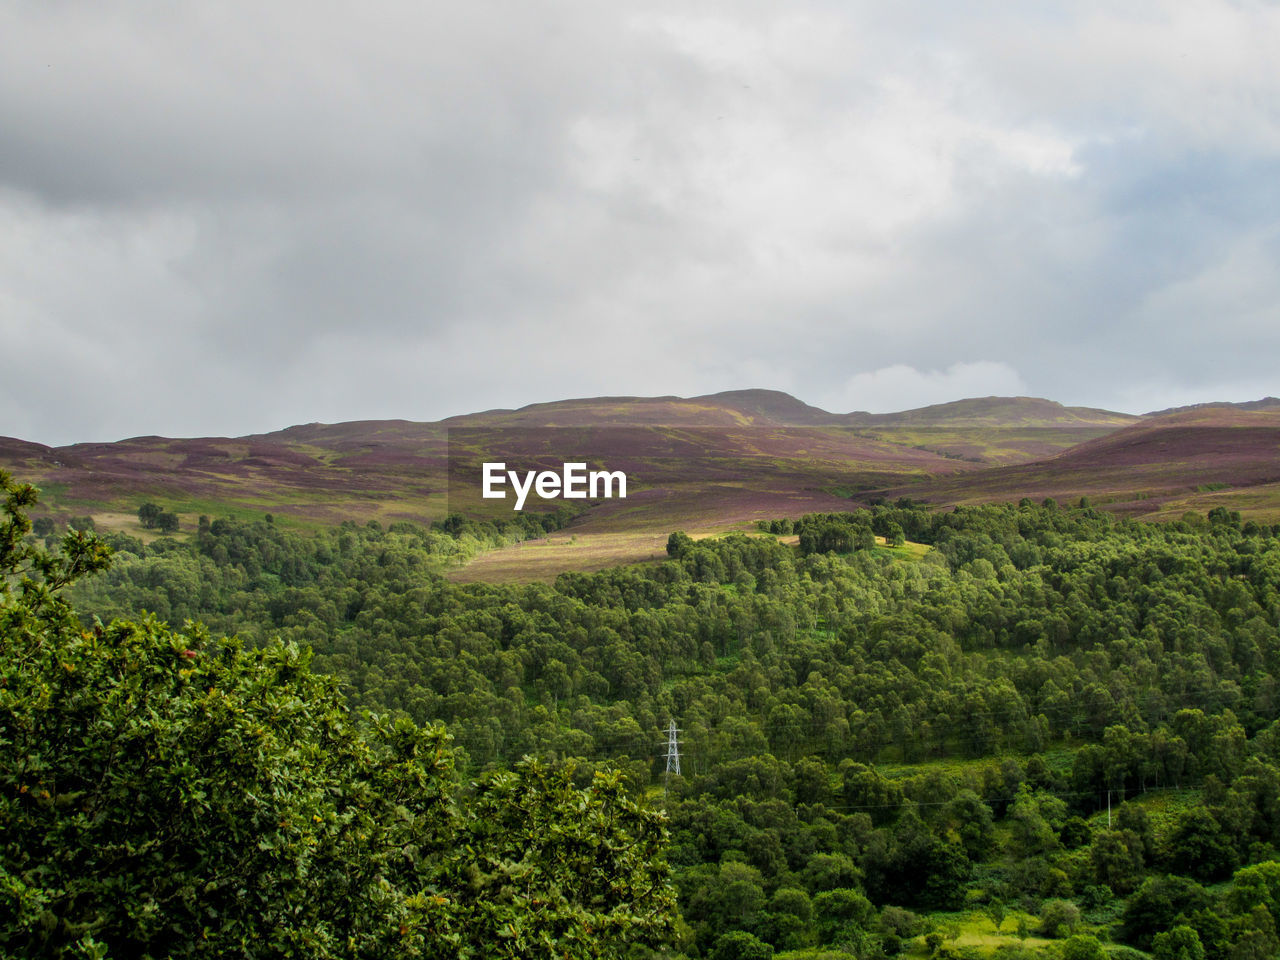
673	753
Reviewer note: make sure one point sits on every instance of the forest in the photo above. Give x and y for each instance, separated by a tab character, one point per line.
1008	730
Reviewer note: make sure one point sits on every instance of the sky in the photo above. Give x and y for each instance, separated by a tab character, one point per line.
218	219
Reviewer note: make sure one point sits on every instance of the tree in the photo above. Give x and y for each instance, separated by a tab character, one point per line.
1116	857
678	544
1033	835
148	513
167	522
841	915
175	794
1058	918
543	868
740	945
971	818
1157	904
1257	938
1180	943
830	871
1256	885
1199	847
995	909
787	921
1083	946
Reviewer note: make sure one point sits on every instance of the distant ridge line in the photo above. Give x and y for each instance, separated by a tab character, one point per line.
1266	403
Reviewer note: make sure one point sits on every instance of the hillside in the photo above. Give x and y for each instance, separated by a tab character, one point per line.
1162	465
704	464
1266	403
994	430
997	412
724	457
1020	724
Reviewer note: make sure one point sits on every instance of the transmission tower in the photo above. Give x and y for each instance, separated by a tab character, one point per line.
673	753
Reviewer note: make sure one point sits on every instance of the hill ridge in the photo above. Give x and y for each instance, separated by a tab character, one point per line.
700	462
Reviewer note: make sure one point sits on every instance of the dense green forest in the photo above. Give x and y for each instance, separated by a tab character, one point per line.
1046	720
172	794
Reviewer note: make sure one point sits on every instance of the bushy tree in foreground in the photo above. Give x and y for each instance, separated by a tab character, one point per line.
169	793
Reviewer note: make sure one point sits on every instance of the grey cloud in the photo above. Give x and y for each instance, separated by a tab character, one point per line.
331	211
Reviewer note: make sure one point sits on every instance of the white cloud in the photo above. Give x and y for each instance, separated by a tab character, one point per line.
565	199
903	387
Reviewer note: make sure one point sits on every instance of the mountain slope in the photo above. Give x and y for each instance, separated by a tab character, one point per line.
701	464
997	412
1266	403
1162	464
722	452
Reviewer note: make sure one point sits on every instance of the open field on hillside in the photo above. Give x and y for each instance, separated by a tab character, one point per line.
1162	468
544	560
636	530
398	469
706	465
993	445
566	551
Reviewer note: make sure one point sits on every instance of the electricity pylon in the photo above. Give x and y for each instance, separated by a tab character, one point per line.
673	754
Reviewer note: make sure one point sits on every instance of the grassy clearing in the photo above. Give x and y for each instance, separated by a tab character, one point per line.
974	930
1260	502
590	546
544	560
908	551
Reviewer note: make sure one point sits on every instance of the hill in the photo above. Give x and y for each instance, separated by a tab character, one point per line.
723	459
1162	465
994	430
704	464
1266	403
776	445
997	412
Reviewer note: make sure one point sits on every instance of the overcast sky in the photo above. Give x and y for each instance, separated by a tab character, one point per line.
229	217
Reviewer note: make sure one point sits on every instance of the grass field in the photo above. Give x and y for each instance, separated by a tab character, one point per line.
969	930
975	929
544	560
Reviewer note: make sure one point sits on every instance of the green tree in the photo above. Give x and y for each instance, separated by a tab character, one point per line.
678	544
1116	857
995	909
1084	946
1180	943
740	945
1199	847
170	793
1157	904
1257	939
1256	885
842	915
787	920
1058	918
543	868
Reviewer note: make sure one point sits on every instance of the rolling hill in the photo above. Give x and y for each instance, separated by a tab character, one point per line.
397	469
1163	465
702	464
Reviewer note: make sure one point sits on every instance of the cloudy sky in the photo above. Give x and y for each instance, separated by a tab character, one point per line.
229	217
